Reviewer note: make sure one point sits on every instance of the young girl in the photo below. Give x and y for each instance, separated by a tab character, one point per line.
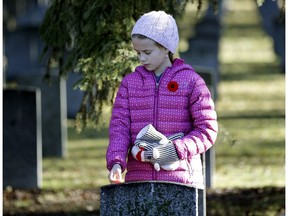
169	95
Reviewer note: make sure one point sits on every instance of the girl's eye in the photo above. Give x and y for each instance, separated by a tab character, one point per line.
146	53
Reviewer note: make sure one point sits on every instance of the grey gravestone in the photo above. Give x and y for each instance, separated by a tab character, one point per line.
54	113
148	198
208	158
74	96
274	27
23	45
22	155
23	48
208	74
204	45
203	56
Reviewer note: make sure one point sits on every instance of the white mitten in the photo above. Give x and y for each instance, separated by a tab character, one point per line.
154	147
159	155
150	134
165	155
143	151
169	166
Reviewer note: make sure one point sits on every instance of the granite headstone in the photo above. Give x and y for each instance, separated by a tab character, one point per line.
22	153
148	198
54	113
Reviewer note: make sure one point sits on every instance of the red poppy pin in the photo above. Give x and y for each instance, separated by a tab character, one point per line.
172	86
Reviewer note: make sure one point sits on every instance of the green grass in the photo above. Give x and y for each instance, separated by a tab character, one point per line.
250	150
244	146
250	153
84	167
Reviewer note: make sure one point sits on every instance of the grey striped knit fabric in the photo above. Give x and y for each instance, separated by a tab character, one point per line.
148	139
150	134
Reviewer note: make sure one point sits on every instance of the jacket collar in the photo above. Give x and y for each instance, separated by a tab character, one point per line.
178	64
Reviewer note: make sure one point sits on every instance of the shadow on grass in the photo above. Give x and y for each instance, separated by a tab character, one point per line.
87	133
278	114
250	201
236	201
249	71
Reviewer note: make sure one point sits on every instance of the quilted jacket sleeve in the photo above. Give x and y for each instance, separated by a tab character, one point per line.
205	127
119	130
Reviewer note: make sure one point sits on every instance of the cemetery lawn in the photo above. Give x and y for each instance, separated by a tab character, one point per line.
249	176
71	185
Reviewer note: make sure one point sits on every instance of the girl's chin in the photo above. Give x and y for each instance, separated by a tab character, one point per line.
148	67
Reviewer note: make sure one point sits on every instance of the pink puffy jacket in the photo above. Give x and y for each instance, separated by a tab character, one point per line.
181	102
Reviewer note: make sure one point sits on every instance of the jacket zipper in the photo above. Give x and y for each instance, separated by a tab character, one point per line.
155	105
156	100
155	114
154	174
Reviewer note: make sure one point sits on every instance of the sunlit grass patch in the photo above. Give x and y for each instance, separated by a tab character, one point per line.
243	174
251	71
251	137
85	165
252	98
250	153
247	50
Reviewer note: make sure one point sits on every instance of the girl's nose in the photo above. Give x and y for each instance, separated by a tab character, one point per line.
142	58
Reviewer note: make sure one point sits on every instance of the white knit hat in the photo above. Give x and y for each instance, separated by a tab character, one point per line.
160	27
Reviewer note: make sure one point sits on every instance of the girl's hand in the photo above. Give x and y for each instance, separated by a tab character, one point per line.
115	176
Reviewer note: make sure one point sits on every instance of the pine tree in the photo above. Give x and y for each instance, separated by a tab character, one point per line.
93	38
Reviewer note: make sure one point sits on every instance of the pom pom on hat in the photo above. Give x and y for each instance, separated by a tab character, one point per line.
160	27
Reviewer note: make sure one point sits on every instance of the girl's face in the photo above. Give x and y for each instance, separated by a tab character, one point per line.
153	57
